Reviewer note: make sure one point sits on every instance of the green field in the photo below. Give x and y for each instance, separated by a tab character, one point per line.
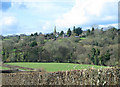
6	39
3	68
53	67
82	38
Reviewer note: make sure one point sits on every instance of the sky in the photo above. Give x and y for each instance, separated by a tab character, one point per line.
26	17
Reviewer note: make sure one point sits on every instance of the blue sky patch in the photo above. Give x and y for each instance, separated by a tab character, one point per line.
43	16
5	6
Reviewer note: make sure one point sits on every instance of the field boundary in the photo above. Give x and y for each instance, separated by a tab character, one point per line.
108	76
16	67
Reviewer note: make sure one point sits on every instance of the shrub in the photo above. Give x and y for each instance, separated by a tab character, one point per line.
33	44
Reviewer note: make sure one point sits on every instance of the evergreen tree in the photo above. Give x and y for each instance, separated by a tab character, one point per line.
88	32
74	28
78	31
69	32
93	29
36	34
74	31
94	56
61	33
34	43
105	57
32	35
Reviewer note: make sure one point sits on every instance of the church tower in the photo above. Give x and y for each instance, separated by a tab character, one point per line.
55	30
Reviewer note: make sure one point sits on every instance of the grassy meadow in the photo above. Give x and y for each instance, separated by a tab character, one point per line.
53	67
82	38
4	68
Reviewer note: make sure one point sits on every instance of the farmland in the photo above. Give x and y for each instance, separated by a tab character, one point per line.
53	67
3	68
82	38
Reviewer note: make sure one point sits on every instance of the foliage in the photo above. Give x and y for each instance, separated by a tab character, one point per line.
77	31
105	57
61	33
73	49
33	44
69	32
95	57
88	32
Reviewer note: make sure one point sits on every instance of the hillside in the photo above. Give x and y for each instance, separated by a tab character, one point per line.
97	46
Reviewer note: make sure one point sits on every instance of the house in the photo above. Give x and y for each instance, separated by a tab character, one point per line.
77	36
65	36
84	33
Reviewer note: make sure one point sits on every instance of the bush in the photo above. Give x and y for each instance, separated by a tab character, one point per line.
33	44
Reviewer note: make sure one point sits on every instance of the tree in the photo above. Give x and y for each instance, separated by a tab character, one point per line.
40	33
34	43
104	58
73	27
96	58
79	31
36	34
63	52
74	31
93	29
88	32
69	32
40	39
33	54
32	35
93	56
61	33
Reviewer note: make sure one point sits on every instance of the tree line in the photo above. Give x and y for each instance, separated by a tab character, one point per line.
99	47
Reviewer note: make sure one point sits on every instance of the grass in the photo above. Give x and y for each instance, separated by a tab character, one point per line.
53	67
4	68
45	40
82	38
6	39
59	40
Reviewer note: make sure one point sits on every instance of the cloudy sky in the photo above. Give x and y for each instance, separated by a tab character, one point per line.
42	15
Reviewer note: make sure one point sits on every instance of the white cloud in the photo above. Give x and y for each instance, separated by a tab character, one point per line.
43	15
89	12
46	26
103	26
38	0
9	20
8	24
108	18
